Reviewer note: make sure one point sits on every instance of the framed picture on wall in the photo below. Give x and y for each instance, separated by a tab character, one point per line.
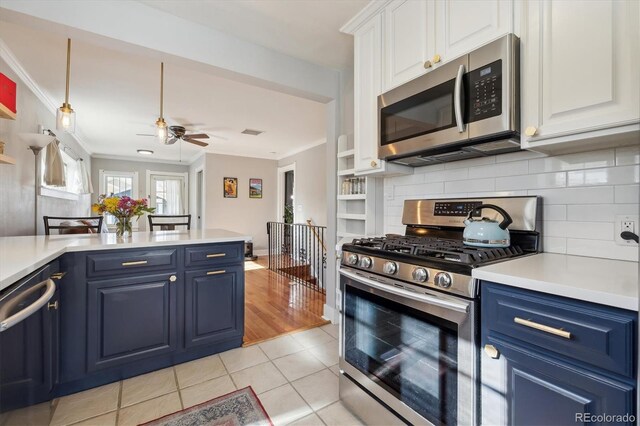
230	187
255	188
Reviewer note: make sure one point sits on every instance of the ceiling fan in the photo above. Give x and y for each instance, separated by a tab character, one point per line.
171	134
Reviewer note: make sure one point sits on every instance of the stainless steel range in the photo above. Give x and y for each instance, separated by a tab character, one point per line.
409	312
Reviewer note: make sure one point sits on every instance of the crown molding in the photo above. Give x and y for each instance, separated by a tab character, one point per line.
187	162
371	9
7	55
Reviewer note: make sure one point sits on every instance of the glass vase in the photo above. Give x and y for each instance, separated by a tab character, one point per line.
123	227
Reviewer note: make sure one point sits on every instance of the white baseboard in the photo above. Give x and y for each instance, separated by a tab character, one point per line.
330	314
264	252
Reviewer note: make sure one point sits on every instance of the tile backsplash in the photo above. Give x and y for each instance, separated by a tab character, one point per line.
582	193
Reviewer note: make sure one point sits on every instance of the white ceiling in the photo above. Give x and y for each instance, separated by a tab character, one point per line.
305	29
116	95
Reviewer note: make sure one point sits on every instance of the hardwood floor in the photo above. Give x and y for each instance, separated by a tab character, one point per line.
274	306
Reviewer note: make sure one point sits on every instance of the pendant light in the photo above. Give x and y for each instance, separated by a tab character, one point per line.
161	125
65	115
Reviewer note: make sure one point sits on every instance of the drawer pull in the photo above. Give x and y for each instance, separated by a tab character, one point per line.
135	262
216	272
551	330
58	275
216	255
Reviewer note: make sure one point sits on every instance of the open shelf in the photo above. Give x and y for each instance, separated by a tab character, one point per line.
5	159
347	153
353	197
6	113
346	172
352	216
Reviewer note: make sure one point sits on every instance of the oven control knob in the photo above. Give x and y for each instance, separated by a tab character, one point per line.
366	262
390	268
352	259
420	274
443	279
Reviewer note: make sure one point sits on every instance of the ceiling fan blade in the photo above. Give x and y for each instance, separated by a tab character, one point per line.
219	137
197	136
185	123
144	134
171	141
195	142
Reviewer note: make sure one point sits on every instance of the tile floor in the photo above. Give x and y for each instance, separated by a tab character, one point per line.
295	377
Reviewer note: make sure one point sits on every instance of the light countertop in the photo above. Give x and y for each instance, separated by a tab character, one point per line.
604	281
19	256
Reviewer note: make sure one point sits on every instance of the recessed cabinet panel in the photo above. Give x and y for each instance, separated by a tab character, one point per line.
130	319
213	305
464	25
212	255
576	80
408	41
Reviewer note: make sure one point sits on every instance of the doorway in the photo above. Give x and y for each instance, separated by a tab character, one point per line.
199	198
167	192
286	211
288	196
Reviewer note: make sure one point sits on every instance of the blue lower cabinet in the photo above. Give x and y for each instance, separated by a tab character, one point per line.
214	305
531	376
131	318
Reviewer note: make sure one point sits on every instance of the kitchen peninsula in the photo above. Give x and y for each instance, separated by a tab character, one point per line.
117	308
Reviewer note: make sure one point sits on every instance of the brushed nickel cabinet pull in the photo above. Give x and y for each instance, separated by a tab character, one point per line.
216	272
135	262
58	275
551	330
216	255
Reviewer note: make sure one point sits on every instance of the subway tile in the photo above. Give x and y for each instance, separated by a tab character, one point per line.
578	195
554	212
606	176
599	212
627	194
428	169
554	244
586	230
582	160
597	248
447	175
520	155
474	185
394	211
627	155
487	194
503	169
419	189
470	162
406	180
539	181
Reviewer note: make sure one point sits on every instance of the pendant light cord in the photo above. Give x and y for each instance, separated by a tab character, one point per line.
66	96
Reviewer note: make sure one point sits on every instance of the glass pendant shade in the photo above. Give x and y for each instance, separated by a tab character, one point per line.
161	130
66	119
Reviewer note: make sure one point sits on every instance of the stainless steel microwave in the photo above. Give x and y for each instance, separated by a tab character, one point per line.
466	108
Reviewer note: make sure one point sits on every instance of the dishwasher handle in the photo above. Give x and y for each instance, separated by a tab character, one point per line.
8	322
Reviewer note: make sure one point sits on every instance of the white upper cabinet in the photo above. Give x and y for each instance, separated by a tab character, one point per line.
580	68
463	25
408	41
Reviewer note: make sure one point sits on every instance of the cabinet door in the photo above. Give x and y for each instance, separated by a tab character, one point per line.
408	40
580	68
523	387
29	354
214	308
367	87
464	25
131	319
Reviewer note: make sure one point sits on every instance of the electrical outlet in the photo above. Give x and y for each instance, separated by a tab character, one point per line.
625	223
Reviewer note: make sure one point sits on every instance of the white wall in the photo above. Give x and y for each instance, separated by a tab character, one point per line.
17	182
243	214
310	184
133	166
581	193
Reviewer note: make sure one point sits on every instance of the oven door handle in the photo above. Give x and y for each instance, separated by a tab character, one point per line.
418	297
457	99
7	322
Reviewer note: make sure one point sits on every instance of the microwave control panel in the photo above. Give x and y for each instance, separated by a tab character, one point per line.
485	91
454	208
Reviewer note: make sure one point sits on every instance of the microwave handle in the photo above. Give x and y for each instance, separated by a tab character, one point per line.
457	99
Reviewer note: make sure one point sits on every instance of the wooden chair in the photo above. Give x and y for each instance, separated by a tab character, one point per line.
73	225
168	222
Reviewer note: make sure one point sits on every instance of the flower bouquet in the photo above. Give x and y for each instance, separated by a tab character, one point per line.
123	209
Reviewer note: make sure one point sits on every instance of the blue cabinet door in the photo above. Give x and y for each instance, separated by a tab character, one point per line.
29	349
214	309
131	319
543	390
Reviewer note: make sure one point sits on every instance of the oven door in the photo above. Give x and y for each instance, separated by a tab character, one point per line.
414	352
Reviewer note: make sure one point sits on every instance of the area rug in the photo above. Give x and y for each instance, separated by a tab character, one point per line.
238	408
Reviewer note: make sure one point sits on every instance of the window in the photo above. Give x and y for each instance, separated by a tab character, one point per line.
71	176
167	192
120	184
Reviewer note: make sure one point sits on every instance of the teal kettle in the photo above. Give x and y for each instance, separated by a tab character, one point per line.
485	232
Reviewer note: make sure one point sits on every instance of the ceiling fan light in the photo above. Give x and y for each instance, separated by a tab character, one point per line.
66	118
161	130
